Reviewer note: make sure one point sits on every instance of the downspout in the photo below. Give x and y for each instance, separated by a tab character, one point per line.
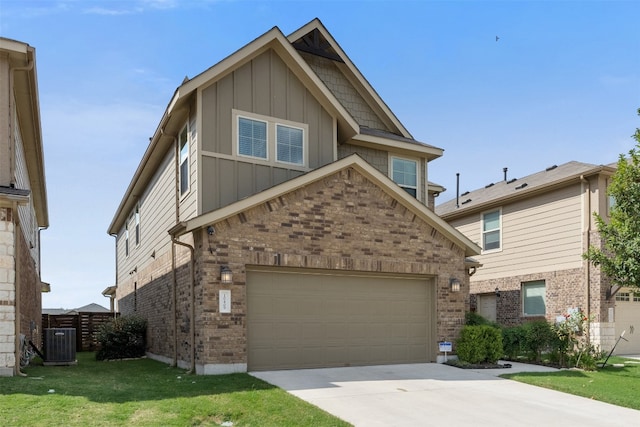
192	302
587	231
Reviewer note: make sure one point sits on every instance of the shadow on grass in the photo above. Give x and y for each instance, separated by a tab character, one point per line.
125	381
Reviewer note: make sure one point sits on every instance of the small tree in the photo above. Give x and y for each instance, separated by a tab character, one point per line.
619	259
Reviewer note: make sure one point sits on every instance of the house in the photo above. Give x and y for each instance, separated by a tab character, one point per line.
281	217
23	202
533	232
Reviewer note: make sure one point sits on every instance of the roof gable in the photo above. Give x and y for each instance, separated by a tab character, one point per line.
503	192
354	162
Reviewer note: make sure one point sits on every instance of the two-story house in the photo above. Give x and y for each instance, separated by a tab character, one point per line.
533	232
23	202
281	217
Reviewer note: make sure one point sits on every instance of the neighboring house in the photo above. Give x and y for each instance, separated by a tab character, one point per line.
533	232
263	228
23	202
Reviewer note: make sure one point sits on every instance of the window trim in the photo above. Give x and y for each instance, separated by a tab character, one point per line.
272	123
523	296
266	142
482	231
417	162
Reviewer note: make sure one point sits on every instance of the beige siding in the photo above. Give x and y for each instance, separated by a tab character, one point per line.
263	86
157	216
540	234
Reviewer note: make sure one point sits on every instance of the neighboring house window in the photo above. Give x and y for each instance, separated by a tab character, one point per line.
289	144
533	296
491	230
184	161
252	138
405	173
137	218
623	296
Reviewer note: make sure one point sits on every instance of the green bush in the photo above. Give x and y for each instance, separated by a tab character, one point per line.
474	319
512	340
479	344
122	338
538	338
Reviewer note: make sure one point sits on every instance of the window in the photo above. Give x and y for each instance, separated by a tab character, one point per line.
623	296
491	231
252	138
533	295
289	145
126	239
184	161
405	173
137	218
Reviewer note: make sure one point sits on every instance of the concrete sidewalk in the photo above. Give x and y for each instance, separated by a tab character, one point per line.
436	394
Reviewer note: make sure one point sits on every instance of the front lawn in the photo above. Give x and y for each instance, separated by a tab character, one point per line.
147	393
617	385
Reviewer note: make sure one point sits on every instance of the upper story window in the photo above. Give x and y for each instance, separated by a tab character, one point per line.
184	161
126	239
404	172
289	144
137	220
533	296
252	138
270	140
491	225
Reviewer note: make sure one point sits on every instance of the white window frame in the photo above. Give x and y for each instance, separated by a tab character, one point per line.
523	285
272	124
181	160
136	216
126	239
483	232
277	125
266	142
418	186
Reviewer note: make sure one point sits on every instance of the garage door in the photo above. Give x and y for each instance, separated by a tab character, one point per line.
305	319
627	318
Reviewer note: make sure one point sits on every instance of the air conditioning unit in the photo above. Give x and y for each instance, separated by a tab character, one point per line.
60	346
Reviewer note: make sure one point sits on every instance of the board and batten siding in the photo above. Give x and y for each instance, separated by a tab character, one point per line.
267	87
157	216
539	234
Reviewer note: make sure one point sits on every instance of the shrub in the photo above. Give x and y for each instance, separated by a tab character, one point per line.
538	337
122	338
479	344
512	341
474	319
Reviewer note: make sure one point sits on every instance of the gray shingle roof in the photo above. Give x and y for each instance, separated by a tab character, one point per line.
504	189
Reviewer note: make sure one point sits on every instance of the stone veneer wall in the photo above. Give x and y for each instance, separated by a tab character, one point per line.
342	222
7	294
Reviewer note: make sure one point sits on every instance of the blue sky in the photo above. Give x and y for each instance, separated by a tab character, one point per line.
562	83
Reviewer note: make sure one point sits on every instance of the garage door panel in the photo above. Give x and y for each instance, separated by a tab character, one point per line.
627	319
313	320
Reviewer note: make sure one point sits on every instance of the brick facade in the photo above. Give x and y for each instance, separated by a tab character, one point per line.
343	222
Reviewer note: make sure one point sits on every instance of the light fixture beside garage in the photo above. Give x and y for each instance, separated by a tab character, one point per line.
226	275
454	284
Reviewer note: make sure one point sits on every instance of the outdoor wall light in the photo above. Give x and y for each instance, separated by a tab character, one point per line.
226	275
497	293
454	284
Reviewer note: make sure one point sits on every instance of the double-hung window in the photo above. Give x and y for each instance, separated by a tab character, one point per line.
533	296
289	144
491	225
184	161
252	138
404	172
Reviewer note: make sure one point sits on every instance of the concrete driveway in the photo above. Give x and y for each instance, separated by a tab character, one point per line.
436	394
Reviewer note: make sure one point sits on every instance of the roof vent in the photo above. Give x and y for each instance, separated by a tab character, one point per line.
489	185
512	180
465	202
550	168
521	186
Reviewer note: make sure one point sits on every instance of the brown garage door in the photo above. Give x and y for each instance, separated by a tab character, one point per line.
305	319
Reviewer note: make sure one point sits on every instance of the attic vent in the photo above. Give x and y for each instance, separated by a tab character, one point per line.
316	44
465	193
512	180
489	185
466	201
521	186
550	168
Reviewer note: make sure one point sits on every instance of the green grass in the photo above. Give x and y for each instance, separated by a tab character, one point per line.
617	385
147	393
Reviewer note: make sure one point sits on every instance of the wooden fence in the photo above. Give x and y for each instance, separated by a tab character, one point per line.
85	324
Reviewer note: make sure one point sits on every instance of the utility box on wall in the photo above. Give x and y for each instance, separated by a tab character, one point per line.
60	346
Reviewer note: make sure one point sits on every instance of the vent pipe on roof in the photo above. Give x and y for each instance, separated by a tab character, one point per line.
505	173
458	190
